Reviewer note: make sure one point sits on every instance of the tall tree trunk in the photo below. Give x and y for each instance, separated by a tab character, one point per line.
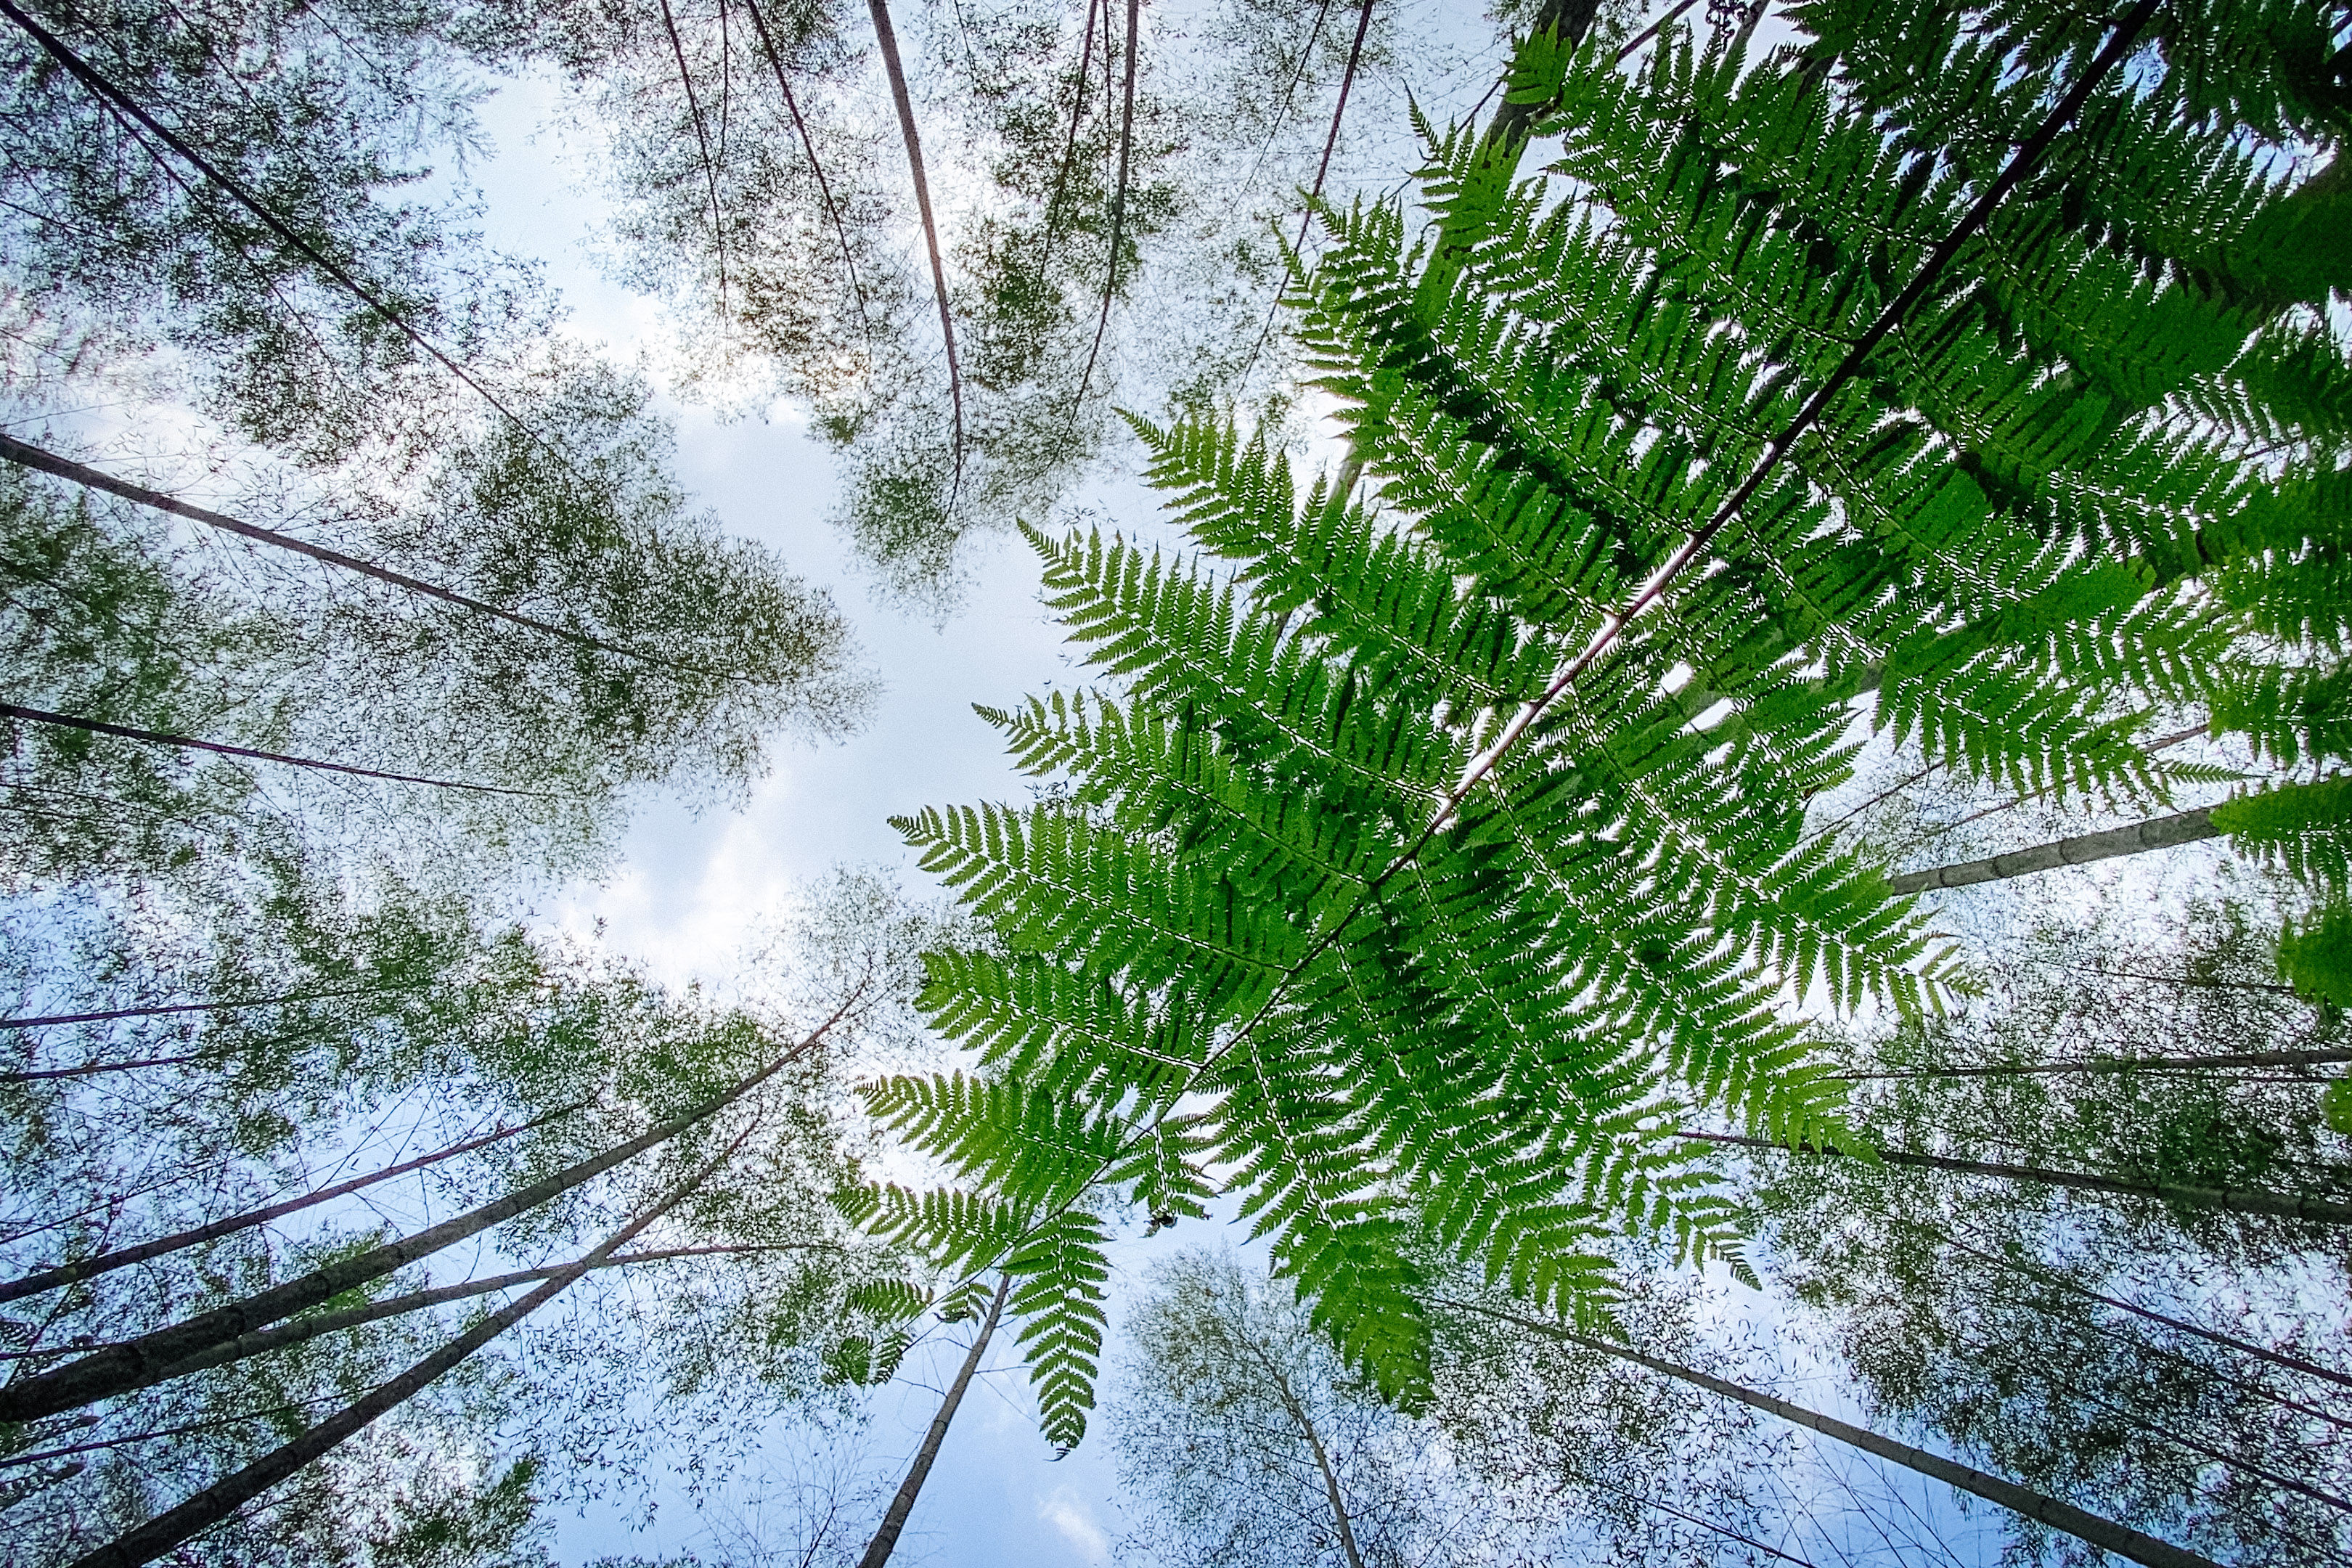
1297	1409
124	1257
2059	1281
1119	190
190	744
808	146
28	456
2103	1533
125	107
261	1342
1499	150
887	38
225	1497
2157	832
2131	1064
2238	1200
135	1363
893	1519
156	1012
95	1069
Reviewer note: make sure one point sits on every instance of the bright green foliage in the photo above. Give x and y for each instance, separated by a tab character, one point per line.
2317	960
1398	1012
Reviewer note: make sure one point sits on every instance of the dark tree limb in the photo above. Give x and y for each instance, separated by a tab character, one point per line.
702	141
125	1256
123	105
2236	1200
261	1342
1070	144
808	146
94	1069
2055	1280
113	1013
31	456
157	738
225	1497
887	38
1118	189
135	1363
2130	1063
893	1519
2103	1533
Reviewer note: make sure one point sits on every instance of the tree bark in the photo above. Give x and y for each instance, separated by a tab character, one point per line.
808	146
189	743
134	1364
1118	191
2238	1200
113	1013
2103	1533
28	456
94	1069
1297	1412
887	38
124	1257
893	1519
2130	1063
260	1341
2245	1347
225	1497
2157	832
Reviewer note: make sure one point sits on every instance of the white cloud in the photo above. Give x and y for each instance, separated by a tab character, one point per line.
1070	1514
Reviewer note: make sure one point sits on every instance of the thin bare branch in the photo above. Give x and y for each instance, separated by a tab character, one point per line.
808	147
1117	194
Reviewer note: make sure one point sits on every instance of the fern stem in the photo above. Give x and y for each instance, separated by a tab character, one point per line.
2083	1525
2236	1200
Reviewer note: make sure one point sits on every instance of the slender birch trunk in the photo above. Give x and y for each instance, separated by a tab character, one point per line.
135	1363
886	37
24	454
893	1519
2131	1064
2080	1523
2238	1200
125	1256
261	1342
2244	1347
159	1011
2157	832
225	1497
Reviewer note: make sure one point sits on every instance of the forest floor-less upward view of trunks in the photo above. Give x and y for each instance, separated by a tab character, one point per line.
1227	781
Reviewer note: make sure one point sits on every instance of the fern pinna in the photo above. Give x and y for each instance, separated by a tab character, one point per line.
1421	862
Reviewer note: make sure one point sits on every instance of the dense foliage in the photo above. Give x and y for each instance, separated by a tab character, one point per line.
1425	862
